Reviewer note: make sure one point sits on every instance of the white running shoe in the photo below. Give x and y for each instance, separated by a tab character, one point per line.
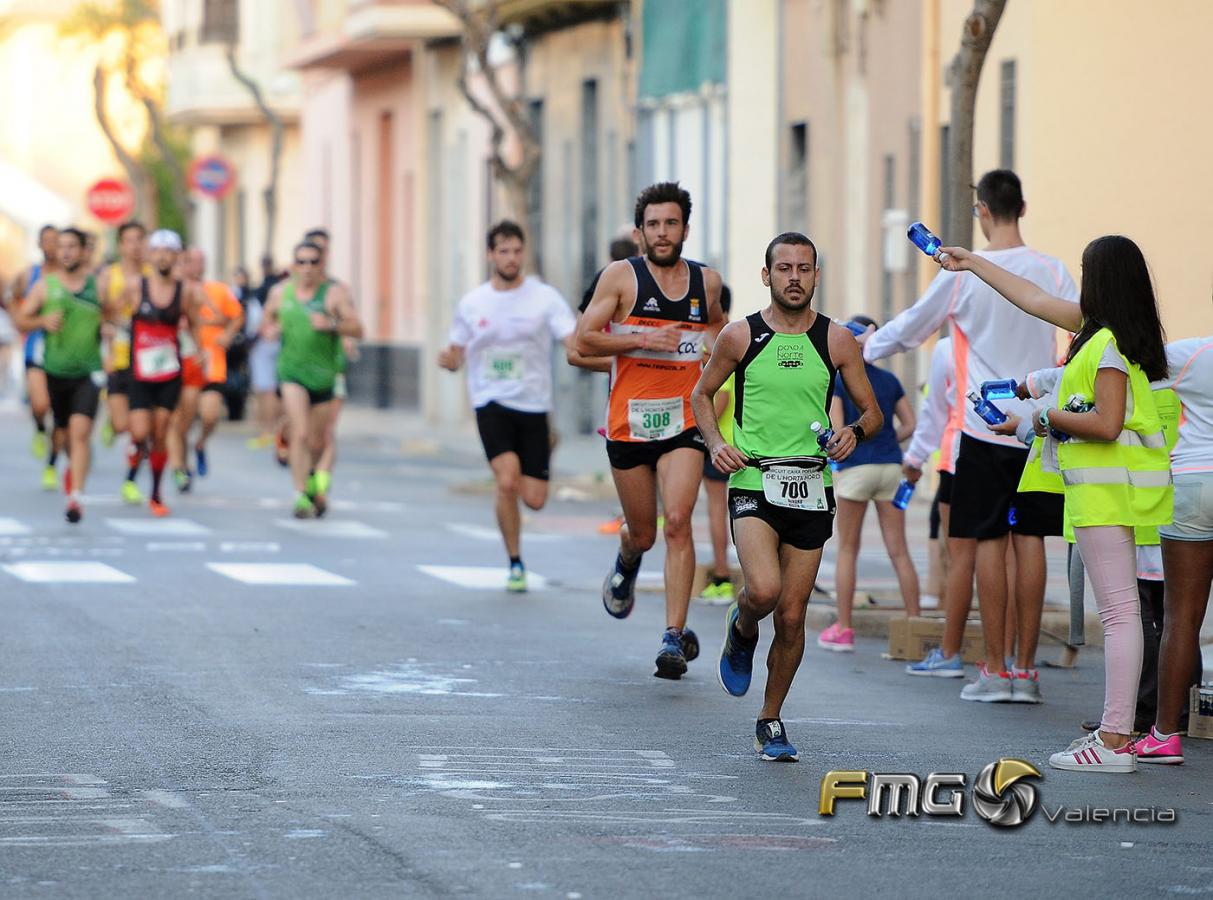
1088	754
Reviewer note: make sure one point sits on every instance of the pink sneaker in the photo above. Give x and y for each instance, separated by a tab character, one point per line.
1154	749
840	640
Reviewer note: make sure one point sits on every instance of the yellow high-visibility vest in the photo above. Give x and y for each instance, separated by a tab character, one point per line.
1122	482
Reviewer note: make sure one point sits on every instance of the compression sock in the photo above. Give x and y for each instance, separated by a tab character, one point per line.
159	459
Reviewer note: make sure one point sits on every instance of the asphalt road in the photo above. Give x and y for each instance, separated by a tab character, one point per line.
187	722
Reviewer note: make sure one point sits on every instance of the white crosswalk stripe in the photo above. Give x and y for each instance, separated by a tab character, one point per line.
331	528
52	572
480	578
158	528
286	574
12	527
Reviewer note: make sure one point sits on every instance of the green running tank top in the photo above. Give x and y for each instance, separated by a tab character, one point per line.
73	351
783	384
308	357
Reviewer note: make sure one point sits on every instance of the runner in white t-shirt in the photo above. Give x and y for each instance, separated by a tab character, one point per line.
503	330
991	339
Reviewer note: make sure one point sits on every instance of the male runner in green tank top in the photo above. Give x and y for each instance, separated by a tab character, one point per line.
66	305
312	319
780	497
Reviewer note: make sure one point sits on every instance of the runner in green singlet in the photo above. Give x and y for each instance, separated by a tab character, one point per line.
311	319
66	305
781	502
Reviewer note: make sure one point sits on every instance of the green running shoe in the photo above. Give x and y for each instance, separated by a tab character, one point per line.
516	582
107	434
39	446
50	480
303	508
131	493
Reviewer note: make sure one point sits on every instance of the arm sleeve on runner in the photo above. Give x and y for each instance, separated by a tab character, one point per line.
933	411
912	327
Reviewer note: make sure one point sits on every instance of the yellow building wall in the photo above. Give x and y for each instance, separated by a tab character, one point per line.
1113	134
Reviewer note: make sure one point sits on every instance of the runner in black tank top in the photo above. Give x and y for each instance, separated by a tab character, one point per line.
156	357
784	360
651	315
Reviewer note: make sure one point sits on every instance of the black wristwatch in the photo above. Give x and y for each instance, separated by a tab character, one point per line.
857	430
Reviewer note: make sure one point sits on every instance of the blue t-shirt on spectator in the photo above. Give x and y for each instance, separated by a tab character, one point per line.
881	447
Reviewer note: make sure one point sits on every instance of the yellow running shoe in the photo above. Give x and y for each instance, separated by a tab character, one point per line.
107	434
131	493
50	479
39	446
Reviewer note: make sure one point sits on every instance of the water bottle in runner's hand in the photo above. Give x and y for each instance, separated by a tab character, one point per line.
1006	389
905	491
920	236
823	437
987	410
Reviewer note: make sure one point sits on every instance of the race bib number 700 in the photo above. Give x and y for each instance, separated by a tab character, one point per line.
795	487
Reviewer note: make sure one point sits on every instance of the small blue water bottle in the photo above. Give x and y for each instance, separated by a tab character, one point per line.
1005	389
823	437
905	491
987	410
922	238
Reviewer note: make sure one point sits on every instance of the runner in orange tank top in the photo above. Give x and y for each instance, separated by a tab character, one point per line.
651	315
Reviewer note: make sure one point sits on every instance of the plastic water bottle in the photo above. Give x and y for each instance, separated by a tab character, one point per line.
823	437
905	491
1006	389
922	238
987	410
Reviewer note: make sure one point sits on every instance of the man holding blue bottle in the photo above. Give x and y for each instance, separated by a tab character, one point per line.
992	342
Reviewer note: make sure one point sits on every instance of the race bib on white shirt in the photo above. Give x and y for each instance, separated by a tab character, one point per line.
795	487
655	420
504	365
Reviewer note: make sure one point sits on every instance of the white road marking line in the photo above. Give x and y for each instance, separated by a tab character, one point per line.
176	546
492	535
331	528
249	547
12	526
67	572
295	574
158	527
480	578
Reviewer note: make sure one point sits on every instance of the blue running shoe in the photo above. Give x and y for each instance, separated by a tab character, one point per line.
671	660
201	454
690	644
736	657
935	663
619	589
771	742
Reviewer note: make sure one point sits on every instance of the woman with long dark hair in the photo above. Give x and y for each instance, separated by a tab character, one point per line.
1105	437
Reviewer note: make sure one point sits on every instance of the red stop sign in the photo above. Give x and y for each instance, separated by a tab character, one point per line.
110	200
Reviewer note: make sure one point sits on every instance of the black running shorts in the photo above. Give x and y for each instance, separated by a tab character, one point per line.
985	488
505	430
630	454
72	397
155	394
796	528
119	382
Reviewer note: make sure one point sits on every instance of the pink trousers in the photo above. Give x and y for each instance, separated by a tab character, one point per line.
1110	558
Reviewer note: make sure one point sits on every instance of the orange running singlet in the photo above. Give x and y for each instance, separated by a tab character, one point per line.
651	391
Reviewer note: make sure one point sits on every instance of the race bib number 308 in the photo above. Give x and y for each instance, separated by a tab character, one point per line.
655	420
795	487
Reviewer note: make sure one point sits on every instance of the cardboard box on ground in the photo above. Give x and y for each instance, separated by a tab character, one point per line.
1200	715
912	639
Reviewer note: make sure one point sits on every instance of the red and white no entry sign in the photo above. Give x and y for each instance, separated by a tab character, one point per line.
110	200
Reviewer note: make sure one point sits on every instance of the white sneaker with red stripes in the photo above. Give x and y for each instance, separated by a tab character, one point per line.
1088	754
